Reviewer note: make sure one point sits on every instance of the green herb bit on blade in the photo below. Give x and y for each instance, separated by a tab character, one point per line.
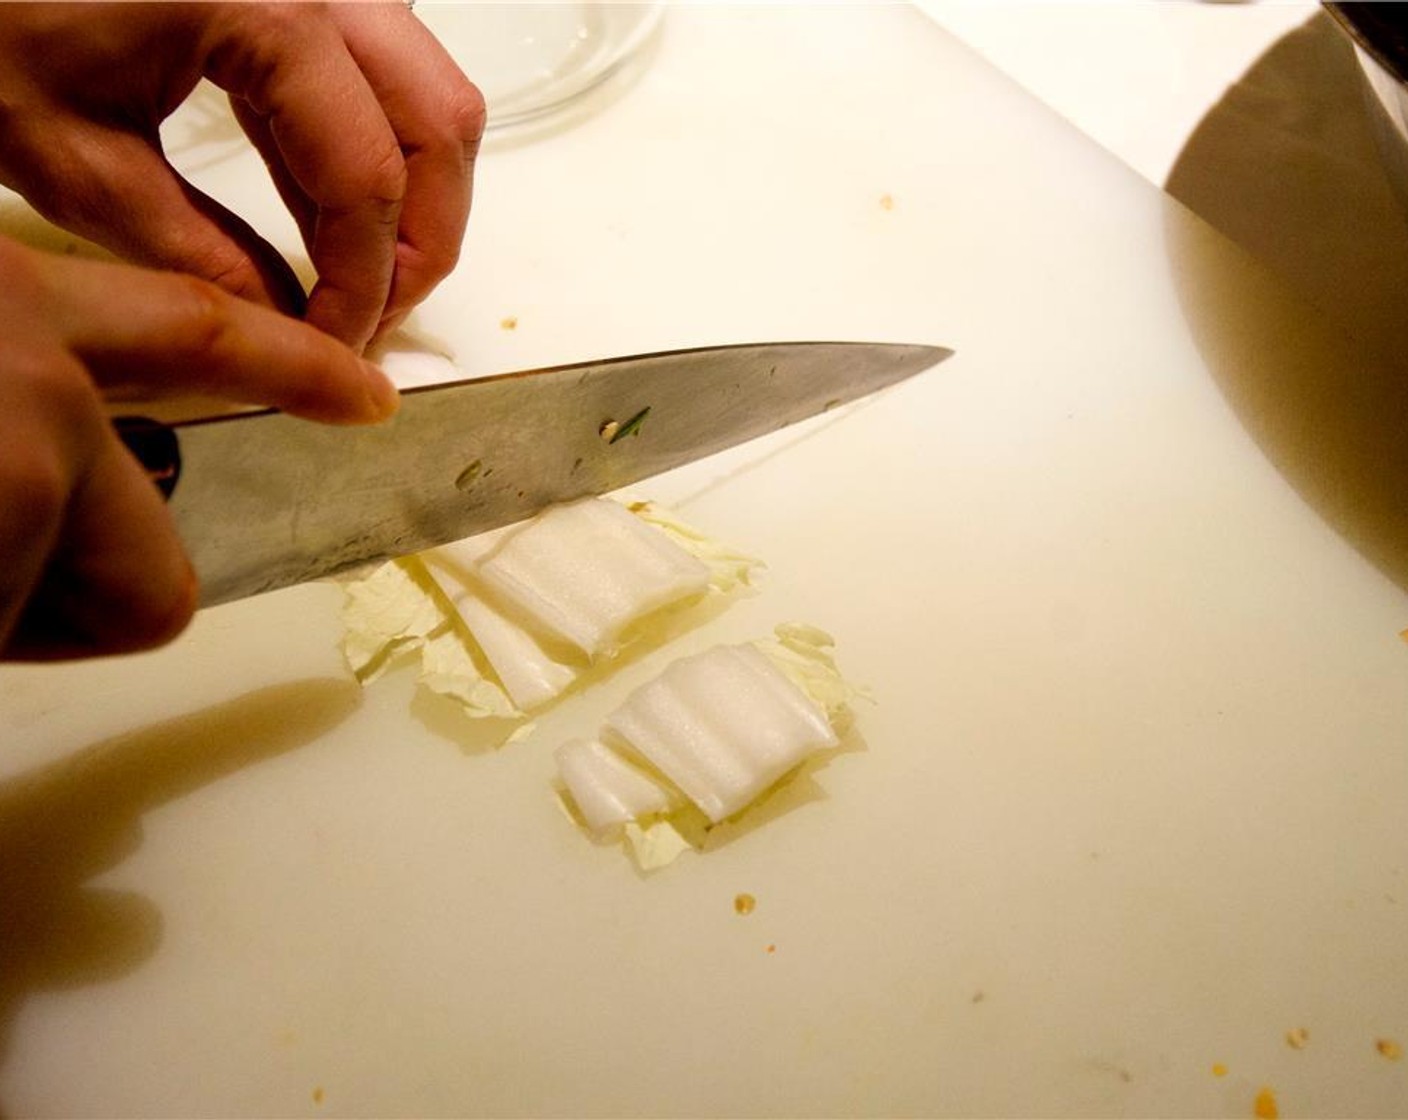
629	428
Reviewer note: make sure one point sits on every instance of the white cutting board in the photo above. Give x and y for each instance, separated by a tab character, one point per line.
1131	799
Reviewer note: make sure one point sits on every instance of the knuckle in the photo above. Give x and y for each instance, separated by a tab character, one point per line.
466	114
386	176
428	265
204	314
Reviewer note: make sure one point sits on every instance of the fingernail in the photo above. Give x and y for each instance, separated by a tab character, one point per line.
382	394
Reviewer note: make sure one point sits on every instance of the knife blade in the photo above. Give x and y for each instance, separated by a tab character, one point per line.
263	500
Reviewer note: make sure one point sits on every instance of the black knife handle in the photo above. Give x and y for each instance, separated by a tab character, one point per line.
156	448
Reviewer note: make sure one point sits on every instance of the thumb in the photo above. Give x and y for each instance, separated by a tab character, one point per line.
118	191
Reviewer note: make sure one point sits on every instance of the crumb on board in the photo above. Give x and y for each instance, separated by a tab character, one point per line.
509	323
1264	1107
1297	1038
770	949
318	1095
744	903
887	202
1389	1049
1219	1070
1404	634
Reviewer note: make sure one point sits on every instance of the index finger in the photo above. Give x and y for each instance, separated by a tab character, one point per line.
294	70
170	334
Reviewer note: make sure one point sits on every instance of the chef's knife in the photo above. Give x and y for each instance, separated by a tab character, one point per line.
263	500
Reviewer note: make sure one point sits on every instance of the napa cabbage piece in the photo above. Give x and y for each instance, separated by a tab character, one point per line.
506	621
607	790
389	611
704	740
394	614
728	568
803	653
448	668
722	726
656	844
529	673
584	571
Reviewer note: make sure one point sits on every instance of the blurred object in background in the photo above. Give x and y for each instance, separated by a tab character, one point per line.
1379	33
1287	165
530	59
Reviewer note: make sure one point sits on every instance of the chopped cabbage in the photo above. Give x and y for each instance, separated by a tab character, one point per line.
506	621
802	653
606	789
448	668
655	845
386	612
728	568
529	673
585	571
718	730
723	726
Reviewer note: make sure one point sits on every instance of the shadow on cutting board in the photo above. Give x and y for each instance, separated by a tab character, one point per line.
1285	165
65	823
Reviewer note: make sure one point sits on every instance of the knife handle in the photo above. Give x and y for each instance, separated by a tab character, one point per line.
156	448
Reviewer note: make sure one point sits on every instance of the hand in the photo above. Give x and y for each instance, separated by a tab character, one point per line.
368	127
89	559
